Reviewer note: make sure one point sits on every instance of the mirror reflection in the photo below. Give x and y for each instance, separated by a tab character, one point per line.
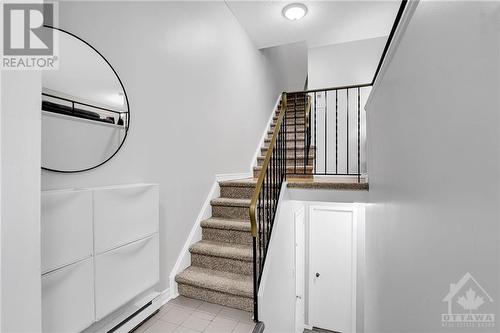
85	114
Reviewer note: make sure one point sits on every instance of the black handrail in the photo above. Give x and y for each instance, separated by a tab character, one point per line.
389	39
264	203
73	102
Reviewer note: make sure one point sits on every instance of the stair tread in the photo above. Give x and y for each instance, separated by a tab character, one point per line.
247	182
223	250
287	139
299	156
230	202
291	148
300	129
230	283
226	224
289	167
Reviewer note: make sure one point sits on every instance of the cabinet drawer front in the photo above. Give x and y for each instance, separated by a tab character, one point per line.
123	273
123	215
68	298
66	227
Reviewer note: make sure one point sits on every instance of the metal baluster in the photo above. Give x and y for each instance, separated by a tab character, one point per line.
326	130
306	128
347	113
295	134
336	132
359	128
315	145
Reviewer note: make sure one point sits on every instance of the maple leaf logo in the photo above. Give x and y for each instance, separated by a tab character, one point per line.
470	301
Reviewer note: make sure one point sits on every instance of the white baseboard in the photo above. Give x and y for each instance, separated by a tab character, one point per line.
264	134
184	258
157	299
232	176
157	303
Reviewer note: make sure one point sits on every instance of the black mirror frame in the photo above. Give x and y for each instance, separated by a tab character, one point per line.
126	99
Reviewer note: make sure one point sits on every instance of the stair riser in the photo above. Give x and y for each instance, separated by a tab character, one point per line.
222	264
290	144
289	136
290	128
290	123
290	152
291	115
299	169
236	192
290	162
229	236
211	296
300	173
231	212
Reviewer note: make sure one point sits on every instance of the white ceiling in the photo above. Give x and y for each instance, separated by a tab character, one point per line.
326	22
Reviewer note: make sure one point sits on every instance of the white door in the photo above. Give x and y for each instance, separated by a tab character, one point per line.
299	218
332	271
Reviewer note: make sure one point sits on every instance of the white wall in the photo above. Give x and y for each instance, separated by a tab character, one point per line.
200	94
277	289
434	163
344	64
20	202
289	63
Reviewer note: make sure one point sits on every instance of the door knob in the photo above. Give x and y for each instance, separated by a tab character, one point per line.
317	274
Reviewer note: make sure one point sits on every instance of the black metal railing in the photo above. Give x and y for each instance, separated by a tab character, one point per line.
73	108
333	125
265	198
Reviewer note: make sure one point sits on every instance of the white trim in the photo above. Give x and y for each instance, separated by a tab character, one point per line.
184	258
354	260
158	302
232	176
158	299
410	8
296	213
253	162
308	327
265	270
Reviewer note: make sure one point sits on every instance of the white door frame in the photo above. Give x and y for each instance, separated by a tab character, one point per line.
298	278
337	207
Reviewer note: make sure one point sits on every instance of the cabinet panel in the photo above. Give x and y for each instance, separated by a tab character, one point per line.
125	272
124	214
68	298
66	227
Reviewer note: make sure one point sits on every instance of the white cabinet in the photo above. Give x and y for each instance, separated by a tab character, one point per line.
100	249
68	298
123	215
124	272
66	233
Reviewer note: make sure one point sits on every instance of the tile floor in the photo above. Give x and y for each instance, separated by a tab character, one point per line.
187	315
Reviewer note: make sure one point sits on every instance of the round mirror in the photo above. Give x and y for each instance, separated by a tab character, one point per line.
85	112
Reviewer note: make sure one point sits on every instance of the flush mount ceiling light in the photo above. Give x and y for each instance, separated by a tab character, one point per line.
294	11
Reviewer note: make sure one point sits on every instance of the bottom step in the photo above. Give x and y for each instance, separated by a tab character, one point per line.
228	289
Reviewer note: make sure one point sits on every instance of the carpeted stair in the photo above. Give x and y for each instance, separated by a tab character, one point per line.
222	263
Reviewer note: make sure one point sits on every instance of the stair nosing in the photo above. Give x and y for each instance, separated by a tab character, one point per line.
180	278
211	245
230	202
226	224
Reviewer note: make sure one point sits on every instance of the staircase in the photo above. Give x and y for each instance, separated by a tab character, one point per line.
222	263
